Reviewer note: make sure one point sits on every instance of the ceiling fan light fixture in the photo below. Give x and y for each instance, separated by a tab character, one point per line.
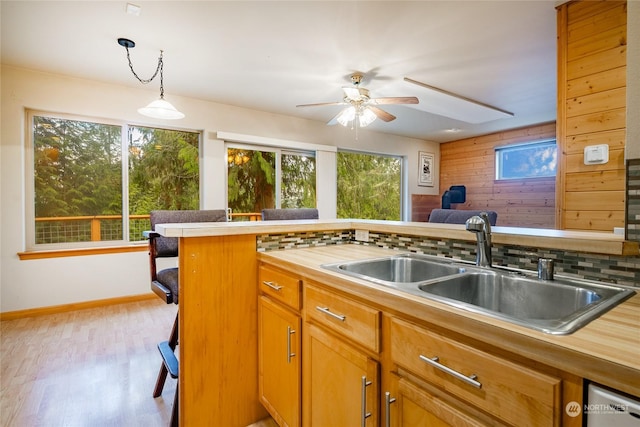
347	116
366	117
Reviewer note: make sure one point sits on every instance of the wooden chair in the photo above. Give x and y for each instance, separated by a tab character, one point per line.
164	283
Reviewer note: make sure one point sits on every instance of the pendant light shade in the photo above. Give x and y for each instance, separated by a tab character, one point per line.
158	109
161	109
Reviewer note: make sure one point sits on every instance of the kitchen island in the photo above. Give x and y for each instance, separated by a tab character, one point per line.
219	304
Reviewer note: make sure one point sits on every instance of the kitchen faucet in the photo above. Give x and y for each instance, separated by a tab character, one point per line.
480	225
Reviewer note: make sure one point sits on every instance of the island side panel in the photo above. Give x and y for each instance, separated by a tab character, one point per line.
218	331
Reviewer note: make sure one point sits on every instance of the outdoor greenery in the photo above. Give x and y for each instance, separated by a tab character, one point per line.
368	186
164	171
78	168
78	172
252	180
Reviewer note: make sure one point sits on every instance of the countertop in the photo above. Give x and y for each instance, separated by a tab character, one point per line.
579	241
607	350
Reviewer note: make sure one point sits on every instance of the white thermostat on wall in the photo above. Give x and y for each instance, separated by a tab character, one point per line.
596	154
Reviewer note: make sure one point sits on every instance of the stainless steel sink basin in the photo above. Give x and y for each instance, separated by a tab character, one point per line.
405	268
556	307
559	306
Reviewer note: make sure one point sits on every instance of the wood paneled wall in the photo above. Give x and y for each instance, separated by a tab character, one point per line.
519	203
591	111
422	205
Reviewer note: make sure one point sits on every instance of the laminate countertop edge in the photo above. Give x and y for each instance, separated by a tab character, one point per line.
578	241
604	351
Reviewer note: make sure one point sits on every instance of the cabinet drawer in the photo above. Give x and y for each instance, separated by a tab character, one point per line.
509	391
352	319
281	286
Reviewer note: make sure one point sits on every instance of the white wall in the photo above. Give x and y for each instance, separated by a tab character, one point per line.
47	282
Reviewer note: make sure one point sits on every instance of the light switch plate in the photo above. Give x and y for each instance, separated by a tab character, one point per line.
596	154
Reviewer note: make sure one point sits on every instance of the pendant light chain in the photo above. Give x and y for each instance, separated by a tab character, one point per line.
159	69
160	108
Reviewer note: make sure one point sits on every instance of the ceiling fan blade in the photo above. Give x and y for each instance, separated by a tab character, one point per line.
382	115
322	104
395	100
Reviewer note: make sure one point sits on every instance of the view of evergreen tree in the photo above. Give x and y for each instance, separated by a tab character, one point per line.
368	186
251	180
298	188
78	168
78	176
164	172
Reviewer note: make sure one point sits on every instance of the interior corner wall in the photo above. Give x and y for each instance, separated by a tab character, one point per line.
633	80
57	281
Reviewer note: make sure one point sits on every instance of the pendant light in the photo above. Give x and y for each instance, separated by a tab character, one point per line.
160	108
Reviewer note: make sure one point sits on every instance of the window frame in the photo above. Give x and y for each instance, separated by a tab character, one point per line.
29	202
506	148
279	151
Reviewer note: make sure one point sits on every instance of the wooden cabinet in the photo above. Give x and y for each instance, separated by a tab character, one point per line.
507	391
279	346
364	366
414	406
341	383
340	370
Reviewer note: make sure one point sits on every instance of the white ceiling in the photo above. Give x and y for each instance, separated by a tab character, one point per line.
273	55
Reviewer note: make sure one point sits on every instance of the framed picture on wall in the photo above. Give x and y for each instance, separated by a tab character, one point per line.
425	169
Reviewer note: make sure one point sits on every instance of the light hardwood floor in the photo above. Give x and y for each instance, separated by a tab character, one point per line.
94	367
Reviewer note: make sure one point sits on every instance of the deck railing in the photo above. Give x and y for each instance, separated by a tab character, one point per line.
102	227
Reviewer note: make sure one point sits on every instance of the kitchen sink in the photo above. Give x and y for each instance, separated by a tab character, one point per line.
559	306
405	268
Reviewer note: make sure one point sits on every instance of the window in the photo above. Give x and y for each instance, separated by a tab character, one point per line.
269	178
530	160
369	186
83	190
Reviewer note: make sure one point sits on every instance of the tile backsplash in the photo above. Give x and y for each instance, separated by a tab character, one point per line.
633	200
605	268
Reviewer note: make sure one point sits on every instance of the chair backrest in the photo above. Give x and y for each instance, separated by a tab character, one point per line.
302	213
459	216
168	246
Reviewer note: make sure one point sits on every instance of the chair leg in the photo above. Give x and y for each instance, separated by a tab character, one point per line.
174	412
162	375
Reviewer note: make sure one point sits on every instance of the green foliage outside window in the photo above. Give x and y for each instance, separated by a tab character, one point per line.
368	186
252	180
78	178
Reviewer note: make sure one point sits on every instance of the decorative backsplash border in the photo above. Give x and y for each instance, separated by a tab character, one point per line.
633	200
604	268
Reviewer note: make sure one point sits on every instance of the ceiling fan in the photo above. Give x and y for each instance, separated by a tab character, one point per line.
361	109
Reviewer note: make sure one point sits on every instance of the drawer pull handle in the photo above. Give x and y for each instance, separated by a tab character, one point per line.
388	400
365	414
289	353
471	380
326	310
272	285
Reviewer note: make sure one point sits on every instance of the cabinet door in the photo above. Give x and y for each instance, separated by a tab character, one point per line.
279	362
417	407
341	386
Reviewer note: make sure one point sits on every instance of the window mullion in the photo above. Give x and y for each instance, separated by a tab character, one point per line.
126	142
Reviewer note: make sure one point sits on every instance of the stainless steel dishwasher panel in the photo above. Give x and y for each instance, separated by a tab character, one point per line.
606	408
